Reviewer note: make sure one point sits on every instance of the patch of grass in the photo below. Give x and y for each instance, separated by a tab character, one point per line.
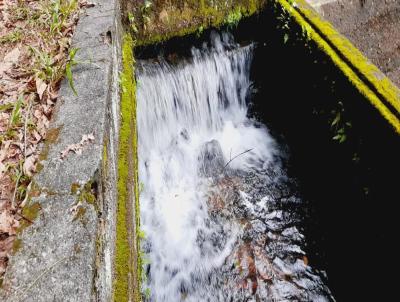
19	12
6	107
44	67
15	118
54	15
12	37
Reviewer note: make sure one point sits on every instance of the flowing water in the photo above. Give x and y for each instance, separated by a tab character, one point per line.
220	217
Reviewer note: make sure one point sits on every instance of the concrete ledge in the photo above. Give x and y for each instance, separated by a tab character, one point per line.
66	253
365	76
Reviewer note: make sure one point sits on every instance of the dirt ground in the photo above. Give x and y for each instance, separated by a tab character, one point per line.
373	26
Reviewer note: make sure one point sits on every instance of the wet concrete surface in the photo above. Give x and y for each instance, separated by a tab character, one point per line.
371	25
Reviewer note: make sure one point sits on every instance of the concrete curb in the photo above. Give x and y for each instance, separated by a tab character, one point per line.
366	77
66	254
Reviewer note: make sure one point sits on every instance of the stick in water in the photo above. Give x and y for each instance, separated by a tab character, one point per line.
237	157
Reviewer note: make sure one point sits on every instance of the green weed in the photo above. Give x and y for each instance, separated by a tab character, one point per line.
15	117
68	68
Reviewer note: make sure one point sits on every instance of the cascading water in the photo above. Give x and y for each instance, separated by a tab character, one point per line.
216	208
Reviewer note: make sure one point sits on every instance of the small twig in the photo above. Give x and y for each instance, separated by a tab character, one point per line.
237	157
25	218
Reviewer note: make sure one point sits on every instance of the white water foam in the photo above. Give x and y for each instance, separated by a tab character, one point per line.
181	108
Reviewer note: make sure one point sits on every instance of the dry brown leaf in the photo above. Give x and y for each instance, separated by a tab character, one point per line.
3	168
47	110
40	87
4	149
7	223
58	57
9	59
4	119
37	137
29	166
14	151
12	56
5	244
37	113
8	243
52	95
78	148
31	149
87	4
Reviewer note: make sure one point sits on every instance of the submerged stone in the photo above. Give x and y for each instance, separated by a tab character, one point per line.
211	159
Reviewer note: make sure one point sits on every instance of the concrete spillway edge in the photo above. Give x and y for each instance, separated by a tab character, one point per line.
365	76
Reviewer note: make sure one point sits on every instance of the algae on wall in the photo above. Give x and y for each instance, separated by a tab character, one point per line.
127	263
363	75
158	20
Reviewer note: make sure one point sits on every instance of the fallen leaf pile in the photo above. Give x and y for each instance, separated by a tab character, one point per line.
35	37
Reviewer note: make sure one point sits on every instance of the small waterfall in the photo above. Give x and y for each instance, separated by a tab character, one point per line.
214	200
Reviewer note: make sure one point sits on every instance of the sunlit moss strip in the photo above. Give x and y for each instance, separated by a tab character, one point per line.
127	265
383	85
202	17
389	92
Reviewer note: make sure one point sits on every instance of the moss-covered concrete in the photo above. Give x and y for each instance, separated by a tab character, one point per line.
127	261
366	77
163	20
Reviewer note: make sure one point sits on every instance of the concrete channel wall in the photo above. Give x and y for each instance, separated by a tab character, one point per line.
83	244
372	26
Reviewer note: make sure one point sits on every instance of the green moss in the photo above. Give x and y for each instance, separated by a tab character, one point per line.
234	17
30	213
51	137
17	245
80	214
85	193
39	167
127	263
322	32
196	15
75	188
